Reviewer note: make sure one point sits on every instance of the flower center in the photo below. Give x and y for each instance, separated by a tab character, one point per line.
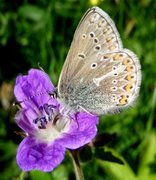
51	124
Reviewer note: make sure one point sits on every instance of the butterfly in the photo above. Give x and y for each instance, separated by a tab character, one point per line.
99	75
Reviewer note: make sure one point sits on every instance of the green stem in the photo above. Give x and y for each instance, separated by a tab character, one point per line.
22	175
76	164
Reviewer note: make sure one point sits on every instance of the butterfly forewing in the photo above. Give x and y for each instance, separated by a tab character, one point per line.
95	30
97	74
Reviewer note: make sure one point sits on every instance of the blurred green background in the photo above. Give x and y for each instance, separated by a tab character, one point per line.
33	32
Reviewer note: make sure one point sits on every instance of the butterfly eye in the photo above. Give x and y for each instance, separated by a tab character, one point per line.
114	81
114	68
92	34
96	40
98	47
115	74
81	56
105	57
114	88
84	36
93	65
114	97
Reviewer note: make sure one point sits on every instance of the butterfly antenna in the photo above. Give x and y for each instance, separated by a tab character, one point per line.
83	109
20	133
40	67
54	94
18	104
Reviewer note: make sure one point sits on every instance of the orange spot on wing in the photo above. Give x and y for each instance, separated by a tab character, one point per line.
129	68
128	87
109	39
130	78
105	30
126	62
123	100
117	57
112	47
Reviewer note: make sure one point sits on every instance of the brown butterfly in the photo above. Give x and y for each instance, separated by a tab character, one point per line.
99	75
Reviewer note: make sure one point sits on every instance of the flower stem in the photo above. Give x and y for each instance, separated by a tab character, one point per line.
76	164
22	175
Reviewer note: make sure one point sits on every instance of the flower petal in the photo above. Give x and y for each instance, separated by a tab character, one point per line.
24	121
81	132
32	155
32	89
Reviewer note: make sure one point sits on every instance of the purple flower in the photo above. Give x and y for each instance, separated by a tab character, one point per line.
49	126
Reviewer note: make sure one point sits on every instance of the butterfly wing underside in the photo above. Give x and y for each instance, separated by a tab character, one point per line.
98	75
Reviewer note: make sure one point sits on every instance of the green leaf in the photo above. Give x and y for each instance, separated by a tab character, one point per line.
148	164
107	156
117	171
85	154
31	12
103	139
40	175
